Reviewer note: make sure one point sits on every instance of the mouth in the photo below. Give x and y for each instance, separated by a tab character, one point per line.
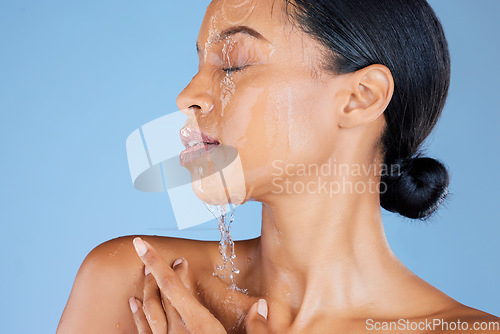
197	144
191	137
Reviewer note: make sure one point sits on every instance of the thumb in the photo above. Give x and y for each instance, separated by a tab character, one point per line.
256	320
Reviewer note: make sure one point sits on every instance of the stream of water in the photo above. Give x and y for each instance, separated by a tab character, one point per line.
225	216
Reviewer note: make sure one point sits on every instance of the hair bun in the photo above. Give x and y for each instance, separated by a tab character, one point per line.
414	187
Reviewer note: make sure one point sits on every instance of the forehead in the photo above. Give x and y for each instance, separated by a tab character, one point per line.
264	16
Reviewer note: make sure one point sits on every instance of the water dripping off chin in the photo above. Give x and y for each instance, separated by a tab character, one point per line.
224	213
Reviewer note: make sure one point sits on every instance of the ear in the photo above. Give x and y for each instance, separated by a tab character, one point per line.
370	91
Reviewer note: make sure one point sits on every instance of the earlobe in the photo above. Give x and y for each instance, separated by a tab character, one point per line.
371	92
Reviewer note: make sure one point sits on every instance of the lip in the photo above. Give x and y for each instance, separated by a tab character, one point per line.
191	154
189	135
205	145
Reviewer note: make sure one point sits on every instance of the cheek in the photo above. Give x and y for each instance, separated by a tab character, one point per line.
278	120
243	127
294	121
288	119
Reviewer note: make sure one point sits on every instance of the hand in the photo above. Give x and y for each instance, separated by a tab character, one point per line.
168	305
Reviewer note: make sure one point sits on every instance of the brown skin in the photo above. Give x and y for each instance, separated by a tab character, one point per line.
323	262
113	272
170	301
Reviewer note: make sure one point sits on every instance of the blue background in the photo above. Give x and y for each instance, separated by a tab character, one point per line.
77	77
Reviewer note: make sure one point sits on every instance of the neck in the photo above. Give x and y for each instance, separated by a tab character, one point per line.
322	253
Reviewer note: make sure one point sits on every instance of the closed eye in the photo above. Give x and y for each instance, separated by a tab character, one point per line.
230	70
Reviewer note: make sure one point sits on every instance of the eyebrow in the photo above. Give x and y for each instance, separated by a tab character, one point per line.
233	31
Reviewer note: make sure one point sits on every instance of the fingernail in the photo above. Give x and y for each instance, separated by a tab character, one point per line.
140	246
133	304
178	261
146	270
262	308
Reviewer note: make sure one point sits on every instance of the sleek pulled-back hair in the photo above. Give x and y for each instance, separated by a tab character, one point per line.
407	37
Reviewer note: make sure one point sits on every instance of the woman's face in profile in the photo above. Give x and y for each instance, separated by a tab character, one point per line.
260	89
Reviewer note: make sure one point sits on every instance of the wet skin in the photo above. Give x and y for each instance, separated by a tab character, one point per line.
322	263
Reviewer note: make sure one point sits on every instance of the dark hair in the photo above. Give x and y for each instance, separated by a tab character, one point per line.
407	37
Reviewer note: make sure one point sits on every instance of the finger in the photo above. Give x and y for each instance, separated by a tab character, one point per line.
180	267
152	306
256	321
175	323
196	317
213	289
140	320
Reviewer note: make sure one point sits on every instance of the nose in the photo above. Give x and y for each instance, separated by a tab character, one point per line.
196	95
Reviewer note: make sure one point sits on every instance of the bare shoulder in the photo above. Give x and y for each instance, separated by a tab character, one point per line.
120	252
112	273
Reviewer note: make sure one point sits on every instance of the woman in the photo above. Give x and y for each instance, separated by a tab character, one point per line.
295	86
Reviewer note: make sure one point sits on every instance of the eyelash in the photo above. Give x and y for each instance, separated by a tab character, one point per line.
230	70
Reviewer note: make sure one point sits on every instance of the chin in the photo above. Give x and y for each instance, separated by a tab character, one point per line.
215	194
217	183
